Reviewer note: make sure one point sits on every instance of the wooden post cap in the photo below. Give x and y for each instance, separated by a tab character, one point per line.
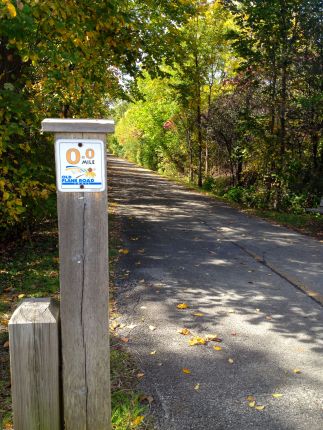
58	125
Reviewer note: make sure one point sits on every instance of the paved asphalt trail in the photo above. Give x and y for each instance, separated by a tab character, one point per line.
187	248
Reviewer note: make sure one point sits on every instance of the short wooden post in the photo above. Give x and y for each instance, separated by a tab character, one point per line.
34	360
83	253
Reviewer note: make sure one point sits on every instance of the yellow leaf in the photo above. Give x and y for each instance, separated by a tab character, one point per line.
217	348
140	375
260	407
230	360
153	353
250	398
152	327
198	314
252	404
187	371
277	395
184	331
297	371
197	341
197	387
211	337
182	306
21	296
124	251
137	421
12	10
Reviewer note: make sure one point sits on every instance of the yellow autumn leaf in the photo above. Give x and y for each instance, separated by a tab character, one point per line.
297	371
186	371
198	314
217	348
277	395
137	421
12	10
230	360
252	404
152	352
124	251
260	407
184	331
197	341
182	306
211	337
197	387
250	398
21	296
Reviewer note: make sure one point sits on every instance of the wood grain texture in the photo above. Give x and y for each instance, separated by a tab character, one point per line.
78	125
34	361
83	247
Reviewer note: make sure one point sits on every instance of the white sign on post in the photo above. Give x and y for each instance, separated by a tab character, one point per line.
80	165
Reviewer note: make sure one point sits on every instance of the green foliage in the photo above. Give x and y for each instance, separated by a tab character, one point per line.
248	92
144	133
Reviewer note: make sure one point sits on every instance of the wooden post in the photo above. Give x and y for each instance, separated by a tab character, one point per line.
83	252
34	360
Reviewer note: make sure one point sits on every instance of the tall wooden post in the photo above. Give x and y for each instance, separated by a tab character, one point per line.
83	256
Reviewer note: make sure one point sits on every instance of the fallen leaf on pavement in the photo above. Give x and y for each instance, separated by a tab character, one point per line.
114	325
182	306
198	314
211	338
260	407
197	387
186	371
197	341
152	327
153	353
277	395
231	311
297	371
124	251
137	421
140	375
124	339
233	334
230	360
252	404
217	348
184	331
250	398
148	399
21	296
131	326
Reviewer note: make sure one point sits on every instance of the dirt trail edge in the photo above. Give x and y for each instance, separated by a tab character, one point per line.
264	367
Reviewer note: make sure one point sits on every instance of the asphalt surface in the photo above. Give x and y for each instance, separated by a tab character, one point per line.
244	278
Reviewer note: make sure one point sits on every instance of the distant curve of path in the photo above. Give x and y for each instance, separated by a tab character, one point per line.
244	281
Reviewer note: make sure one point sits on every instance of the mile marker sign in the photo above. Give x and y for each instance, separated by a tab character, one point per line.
80	165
